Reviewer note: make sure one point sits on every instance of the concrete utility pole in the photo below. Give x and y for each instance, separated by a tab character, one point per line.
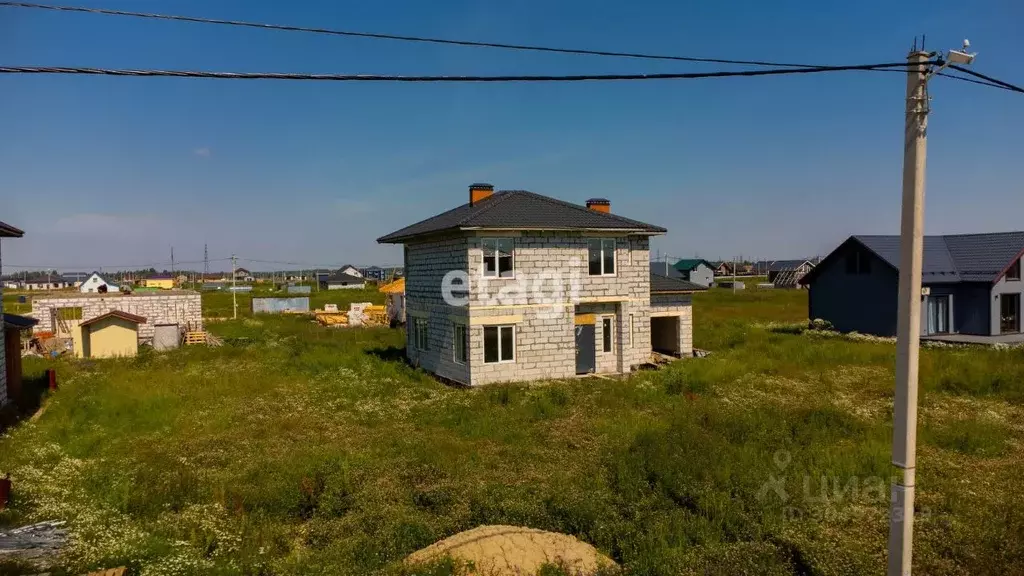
908	323
234	293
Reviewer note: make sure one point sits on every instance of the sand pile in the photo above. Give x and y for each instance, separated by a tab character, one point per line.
514	551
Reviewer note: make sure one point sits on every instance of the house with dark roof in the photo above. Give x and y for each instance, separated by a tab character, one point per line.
341	280
513	285
697	271
971	285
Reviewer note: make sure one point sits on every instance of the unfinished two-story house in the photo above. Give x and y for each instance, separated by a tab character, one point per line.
514	286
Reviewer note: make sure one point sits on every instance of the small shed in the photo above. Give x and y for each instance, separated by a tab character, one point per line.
13	326
110	335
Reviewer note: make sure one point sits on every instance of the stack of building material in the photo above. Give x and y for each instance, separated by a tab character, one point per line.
359	314
331	318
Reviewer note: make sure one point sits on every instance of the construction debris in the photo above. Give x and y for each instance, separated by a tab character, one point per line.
48	345
34	543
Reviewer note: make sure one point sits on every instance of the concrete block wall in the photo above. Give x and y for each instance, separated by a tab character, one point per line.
545	345
545	330
425	267
680	305
182	308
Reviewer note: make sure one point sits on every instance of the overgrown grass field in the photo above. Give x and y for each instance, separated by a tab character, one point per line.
296	449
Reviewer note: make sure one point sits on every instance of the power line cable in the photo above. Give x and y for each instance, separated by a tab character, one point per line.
404	38
989	79
121	266
411	79
468	43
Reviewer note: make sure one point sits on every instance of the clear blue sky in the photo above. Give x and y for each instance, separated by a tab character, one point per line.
111	171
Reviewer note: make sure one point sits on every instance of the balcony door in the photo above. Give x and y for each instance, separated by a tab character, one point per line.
938	314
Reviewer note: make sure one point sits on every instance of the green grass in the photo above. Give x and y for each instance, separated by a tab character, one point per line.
297	449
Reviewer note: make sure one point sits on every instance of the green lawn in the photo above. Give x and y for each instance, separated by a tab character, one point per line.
296	449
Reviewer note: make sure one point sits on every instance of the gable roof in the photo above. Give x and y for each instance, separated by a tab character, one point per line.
786	265
115	314
520	209
665	285
948	258
8	231
688	264
343	278
75	276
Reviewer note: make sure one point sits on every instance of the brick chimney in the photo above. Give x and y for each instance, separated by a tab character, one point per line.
479	191
600	205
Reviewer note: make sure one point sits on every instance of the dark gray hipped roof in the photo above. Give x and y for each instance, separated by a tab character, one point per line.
8	231
665	269
664	284
343	278
952	257
519	209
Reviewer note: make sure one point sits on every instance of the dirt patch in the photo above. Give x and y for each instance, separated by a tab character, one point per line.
514	551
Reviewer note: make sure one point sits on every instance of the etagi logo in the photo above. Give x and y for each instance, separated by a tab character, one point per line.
548	291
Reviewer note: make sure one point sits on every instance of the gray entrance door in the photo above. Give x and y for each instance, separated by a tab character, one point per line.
586	354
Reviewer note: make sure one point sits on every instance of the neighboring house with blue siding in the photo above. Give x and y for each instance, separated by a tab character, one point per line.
971	284
697	271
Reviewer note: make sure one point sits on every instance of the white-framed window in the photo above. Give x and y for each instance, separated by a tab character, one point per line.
601	256
499	257
631	330
460	342
499	344
606	333
421	333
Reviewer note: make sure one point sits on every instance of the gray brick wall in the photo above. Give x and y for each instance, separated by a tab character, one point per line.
182	308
